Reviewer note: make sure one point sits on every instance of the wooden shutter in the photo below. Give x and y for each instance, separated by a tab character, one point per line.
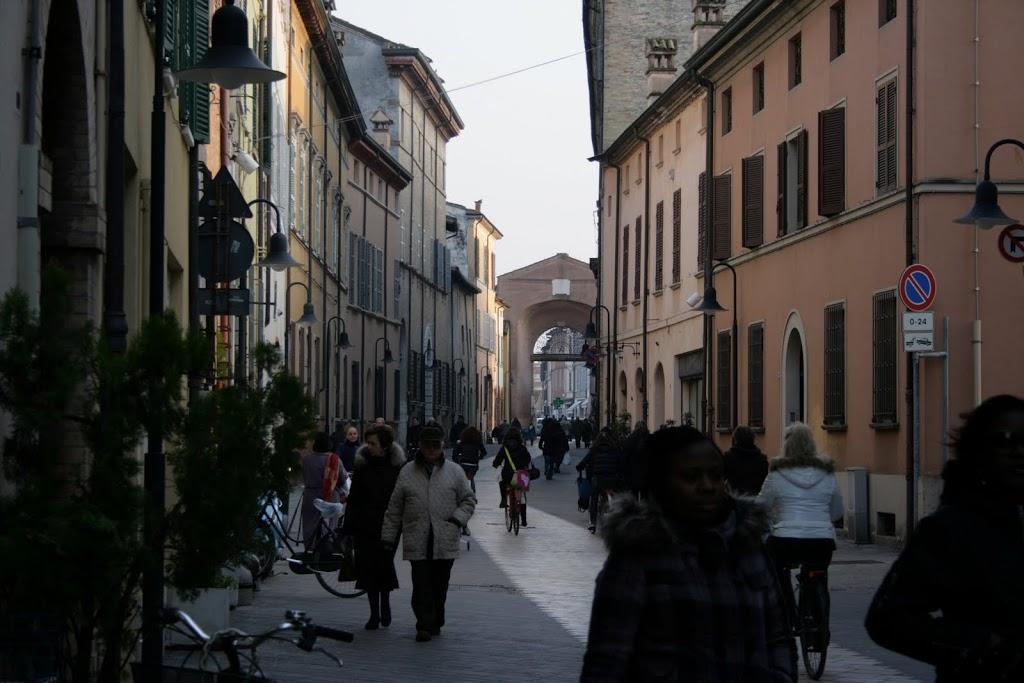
835	365
702	219
677	202
755	375
780	205
636	260
659	245
831	161
883	389
885	103
801	180
753	202
625	264
724	397
722	222
194	98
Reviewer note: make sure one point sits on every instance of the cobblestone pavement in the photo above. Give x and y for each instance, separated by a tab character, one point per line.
519	607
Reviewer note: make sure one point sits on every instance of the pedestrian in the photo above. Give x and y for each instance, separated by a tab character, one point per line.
687	592
588	432
431	504
512	456
347	449
323	477
375	472
553	445
745	465
530	434
576	429
469	450
338	436
604	468
954	597
803	498
379	421
412	437
458	426
636	457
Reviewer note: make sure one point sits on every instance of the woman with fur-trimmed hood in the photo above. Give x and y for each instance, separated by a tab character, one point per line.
803	498
687	592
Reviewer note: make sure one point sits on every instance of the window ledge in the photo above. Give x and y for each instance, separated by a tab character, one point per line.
757	430
658	292
677	150
675	285
885	426
636	302
659	164
834	427
626	192
622	308
723	430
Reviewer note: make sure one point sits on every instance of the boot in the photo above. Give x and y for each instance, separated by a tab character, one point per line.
385	609
523	516
374	621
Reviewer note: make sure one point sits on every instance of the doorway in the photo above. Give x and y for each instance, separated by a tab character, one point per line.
794	378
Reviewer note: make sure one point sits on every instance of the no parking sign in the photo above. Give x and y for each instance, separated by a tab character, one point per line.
917	288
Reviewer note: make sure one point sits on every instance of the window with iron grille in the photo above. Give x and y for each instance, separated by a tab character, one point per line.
625	264
835	365
759	87
755	376
723	419
883	386
837	25
677	208
795	61
659	246
636	261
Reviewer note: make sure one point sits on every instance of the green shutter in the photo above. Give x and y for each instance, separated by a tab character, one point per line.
194	98
171	32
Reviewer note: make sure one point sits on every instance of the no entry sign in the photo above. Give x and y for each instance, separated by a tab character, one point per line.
917	288
1011	243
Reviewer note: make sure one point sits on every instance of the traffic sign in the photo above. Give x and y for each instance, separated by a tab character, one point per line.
1011	243
918	341
917	288
919	322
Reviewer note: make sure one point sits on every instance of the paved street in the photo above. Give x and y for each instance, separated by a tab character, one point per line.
519	607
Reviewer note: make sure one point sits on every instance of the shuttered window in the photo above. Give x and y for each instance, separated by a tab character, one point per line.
636	260
677	210
883	363
835	365
795	61
755	376
753	201
791	203
702	219
356	391
801	180
837	29
193	39
831	161
758	87
886	11
659	246
625	264
726	111
723	217
723	419
885	105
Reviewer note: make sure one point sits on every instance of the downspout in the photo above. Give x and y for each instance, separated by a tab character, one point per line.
115	323
911	258
29	263
384	303
600	288
709	246
613	354
362	317
647	261
976	328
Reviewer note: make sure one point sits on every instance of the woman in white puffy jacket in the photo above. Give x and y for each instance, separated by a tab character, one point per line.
803	498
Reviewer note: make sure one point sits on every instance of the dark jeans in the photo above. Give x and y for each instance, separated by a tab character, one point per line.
809	554
549	466
429	592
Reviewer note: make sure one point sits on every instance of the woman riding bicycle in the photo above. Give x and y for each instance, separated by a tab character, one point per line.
512	456
803	497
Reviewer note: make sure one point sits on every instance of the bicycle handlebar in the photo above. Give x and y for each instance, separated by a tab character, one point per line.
334	634
173	615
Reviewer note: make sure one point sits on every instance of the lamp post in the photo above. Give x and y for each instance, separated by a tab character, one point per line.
307	319
462	375
343	343
380	373
709	306
984	215
592	332
278	257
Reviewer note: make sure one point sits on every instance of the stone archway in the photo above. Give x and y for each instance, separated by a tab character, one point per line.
534	306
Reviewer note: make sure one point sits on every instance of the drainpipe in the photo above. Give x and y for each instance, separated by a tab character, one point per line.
28	168
613	356
911	258
115	323
647	261
709	247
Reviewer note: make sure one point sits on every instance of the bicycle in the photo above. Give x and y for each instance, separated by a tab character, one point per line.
512	512
331	554
810	618
236	645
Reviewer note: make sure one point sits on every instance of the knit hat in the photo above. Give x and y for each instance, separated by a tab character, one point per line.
431	433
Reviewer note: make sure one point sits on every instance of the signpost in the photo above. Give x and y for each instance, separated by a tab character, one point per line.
917	288
1011	243
918	331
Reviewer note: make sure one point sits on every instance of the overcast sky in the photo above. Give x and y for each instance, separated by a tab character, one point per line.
527	139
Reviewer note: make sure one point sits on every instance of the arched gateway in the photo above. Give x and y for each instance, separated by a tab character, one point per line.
556	292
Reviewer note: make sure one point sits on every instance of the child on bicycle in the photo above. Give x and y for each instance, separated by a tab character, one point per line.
512	456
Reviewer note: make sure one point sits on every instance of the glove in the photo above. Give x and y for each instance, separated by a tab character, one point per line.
452	520
387	546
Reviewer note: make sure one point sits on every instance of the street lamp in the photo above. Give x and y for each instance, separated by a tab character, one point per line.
308	316
277	258
343	343
387	358
592	332
984	215
709	306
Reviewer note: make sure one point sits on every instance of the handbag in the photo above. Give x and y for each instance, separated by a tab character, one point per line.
534	473
520	478
585	491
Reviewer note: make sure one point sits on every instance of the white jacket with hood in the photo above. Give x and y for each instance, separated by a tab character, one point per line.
803	499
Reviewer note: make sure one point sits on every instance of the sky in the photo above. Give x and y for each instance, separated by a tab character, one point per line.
527	138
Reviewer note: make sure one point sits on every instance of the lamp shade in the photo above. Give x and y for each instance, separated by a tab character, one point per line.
277	256
710	305
343	342
308	316
986	213
388	358
229	62
591	331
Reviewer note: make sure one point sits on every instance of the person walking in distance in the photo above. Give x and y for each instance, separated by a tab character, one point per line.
603	466
431	503
551	442
687	592
512	456
348	447
412	437
954	597
375	472
745	465
469	450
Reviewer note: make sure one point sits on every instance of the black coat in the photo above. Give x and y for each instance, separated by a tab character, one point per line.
555	442
456	431
412	436
955	586
605	467
373	481
520	456
745	469
636	458
470	453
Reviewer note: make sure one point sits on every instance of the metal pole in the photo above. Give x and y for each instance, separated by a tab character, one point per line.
327	375
945	391
916	469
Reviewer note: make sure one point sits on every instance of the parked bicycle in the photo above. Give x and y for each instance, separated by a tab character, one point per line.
232	654
810	618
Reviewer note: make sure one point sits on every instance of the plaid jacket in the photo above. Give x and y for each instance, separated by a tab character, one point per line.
699	608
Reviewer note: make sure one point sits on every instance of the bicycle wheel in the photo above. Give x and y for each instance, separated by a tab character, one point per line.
814	628
516	514
266	551
508	514
329	567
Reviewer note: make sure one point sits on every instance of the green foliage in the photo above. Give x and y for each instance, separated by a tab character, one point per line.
622	425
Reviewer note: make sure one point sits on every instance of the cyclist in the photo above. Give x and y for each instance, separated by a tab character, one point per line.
803	498
512	453
603	466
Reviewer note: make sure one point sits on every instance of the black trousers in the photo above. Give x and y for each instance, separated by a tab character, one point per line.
808	554
430	592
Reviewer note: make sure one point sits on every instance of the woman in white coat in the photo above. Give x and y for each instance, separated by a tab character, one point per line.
803	498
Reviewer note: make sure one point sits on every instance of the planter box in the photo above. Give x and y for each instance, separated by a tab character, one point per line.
210	610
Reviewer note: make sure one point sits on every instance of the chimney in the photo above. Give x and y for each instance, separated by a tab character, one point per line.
382	127
661	66
708	17
479	205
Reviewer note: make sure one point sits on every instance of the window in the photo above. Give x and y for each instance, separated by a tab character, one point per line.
885	105
835	365
886	11
722	219
639	167
661	150
302	202
625	264
795	61
755	376
702	219
659	246
636	261
356	391
627	179
883	359
758	87
494	271
679	134
336	236
318	213
791	204
723	418
487	262
677	201
397	288
831	161
753	201
837	29
291	185
726	111
476	257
